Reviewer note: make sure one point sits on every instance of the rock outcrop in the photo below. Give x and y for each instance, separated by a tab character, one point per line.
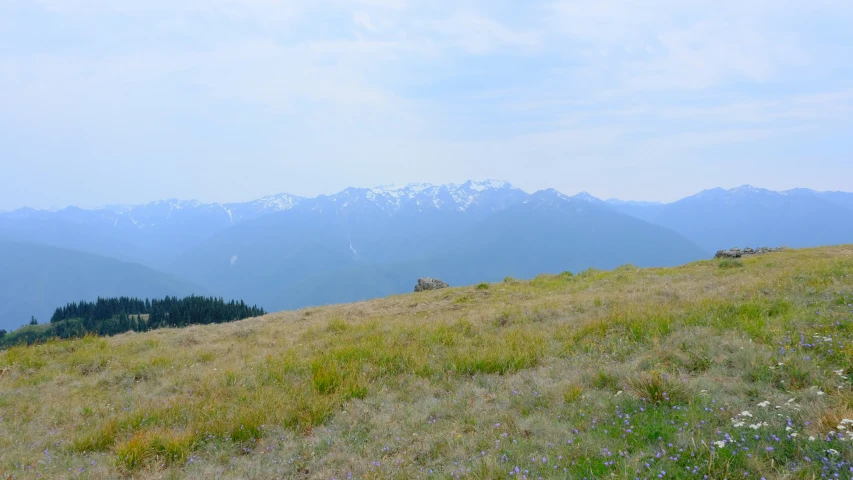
737	253
430	284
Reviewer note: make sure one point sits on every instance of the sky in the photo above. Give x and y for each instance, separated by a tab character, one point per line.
129	101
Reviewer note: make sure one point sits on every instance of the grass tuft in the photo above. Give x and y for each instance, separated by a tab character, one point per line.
659	387
729	263
149	446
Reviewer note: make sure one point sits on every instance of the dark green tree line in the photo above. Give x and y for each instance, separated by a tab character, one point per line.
112	316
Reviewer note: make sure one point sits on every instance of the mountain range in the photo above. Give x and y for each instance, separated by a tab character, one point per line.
286	251
750	216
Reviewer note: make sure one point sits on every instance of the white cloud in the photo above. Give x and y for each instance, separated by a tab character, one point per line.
362	19
476	33
383	91
665	44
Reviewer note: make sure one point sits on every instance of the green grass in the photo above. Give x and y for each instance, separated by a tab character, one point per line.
730	263
696	370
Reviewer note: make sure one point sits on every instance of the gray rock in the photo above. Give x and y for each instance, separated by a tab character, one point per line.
737	253
430	284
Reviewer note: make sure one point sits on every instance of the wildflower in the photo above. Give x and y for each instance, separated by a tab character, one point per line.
720	443
764	404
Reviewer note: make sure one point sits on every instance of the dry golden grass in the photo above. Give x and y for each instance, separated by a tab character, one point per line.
467	382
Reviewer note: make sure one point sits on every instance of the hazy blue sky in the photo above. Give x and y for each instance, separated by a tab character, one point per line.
124	101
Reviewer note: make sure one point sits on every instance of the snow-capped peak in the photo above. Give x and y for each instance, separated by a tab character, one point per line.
174	203
277	203
486	185
747	189
392	189
415	188
393	198
586	197
550	194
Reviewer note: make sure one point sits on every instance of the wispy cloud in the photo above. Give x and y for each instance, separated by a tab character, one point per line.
478	34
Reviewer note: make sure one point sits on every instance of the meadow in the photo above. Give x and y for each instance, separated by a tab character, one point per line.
716	369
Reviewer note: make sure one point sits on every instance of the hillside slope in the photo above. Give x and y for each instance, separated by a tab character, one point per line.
717	369
36	279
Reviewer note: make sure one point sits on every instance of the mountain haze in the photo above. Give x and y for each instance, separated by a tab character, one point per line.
286	251
154	234
363	243
749	216
36	279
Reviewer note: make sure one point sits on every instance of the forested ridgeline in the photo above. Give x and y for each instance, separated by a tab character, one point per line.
112	316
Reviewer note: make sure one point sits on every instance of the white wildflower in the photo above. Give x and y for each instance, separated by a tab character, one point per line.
764	404
720	443
745	413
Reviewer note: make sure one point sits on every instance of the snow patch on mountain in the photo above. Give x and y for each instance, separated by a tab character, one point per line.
486	185
229	213
488	195
585	197
277	203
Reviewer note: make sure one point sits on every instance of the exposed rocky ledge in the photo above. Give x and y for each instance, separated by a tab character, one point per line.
430	284
737	253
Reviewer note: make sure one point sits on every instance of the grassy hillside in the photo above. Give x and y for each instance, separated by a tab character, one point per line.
724	369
